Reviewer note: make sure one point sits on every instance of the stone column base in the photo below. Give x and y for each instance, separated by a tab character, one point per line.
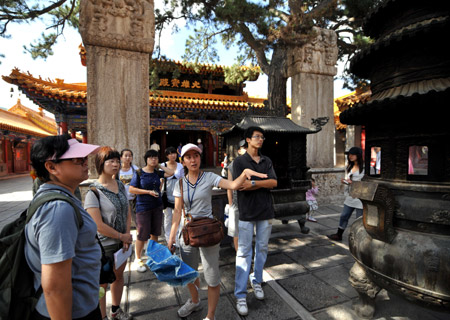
331	190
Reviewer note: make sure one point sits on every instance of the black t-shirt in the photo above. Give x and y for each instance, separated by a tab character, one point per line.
256	204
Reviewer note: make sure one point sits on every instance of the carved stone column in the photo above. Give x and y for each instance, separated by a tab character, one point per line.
119	39
312	68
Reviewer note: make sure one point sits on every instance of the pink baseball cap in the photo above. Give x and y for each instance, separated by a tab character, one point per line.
77	150
189	147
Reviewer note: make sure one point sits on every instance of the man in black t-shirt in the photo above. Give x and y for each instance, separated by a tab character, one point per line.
255	212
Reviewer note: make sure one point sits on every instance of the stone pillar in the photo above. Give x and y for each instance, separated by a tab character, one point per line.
119	38
312	68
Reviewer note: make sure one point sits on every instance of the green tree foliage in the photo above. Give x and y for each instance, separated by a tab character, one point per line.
265	30
57	14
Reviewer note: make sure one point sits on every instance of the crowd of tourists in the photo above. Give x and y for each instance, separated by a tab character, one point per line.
68	258
69	246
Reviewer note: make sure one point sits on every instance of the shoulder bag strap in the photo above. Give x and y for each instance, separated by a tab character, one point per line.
138	172
165	179
100	243
51	196
97	194
182	199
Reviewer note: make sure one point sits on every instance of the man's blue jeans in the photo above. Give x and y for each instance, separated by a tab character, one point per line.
346	214
244	254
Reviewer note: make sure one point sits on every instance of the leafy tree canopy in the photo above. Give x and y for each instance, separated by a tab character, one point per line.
57	14
261	27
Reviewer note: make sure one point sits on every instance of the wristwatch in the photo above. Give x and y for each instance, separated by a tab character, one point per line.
253	183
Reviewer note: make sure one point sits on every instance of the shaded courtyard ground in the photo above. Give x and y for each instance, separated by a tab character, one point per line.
306	276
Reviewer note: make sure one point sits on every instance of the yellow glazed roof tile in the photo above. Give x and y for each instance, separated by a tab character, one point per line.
77	92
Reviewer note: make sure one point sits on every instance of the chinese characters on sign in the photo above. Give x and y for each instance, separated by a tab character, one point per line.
176	83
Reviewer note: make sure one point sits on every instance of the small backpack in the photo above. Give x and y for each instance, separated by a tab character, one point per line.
18	297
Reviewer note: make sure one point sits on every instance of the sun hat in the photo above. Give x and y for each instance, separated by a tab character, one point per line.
189	147
355	151
77	150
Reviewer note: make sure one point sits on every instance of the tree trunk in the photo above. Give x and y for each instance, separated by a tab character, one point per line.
277	83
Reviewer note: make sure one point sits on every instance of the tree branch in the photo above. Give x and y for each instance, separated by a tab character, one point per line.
62	21
13	15
324	5
255	45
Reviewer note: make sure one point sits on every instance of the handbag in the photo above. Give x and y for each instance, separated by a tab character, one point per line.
107	274
200	232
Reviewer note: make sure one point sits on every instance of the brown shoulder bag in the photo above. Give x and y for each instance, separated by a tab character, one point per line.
200	232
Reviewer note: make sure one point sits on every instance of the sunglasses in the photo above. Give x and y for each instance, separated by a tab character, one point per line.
76	161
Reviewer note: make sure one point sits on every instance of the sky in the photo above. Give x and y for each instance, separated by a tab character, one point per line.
65	63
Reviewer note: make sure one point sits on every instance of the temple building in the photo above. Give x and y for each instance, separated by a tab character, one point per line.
19	128
187	105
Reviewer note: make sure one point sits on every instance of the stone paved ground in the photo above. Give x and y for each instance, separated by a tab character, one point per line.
306	276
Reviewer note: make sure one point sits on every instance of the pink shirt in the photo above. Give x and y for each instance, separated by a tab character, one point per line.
311	192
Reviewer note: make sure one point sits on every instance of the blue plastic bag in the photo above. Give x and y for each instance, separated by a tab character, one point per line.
168	267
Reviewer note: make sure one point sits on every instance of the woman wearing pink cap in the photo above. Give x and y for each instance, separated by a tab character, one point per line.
197	195
63	253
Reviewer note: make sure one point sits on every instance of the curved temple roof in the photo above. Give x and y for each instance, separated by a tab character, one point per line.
76	94
23	120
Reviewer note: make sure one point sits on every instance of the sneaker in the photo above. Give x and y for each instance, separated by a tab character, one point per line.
188	308
241	306
259	292
140	266
120	315
312	219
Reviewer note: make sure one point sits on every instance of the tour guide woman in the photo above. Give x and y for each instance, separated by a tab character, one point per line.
197	195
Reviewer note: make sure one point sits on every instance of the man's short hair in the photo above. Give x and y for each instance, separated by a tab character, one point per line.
46	148
250	130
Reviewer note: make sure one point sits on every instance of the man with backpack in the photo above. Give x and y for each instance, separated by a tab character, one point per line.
60	245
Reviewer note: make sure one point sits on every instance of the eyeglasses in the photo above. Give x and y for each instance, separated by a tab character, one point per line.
112	161
259	137
76	161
